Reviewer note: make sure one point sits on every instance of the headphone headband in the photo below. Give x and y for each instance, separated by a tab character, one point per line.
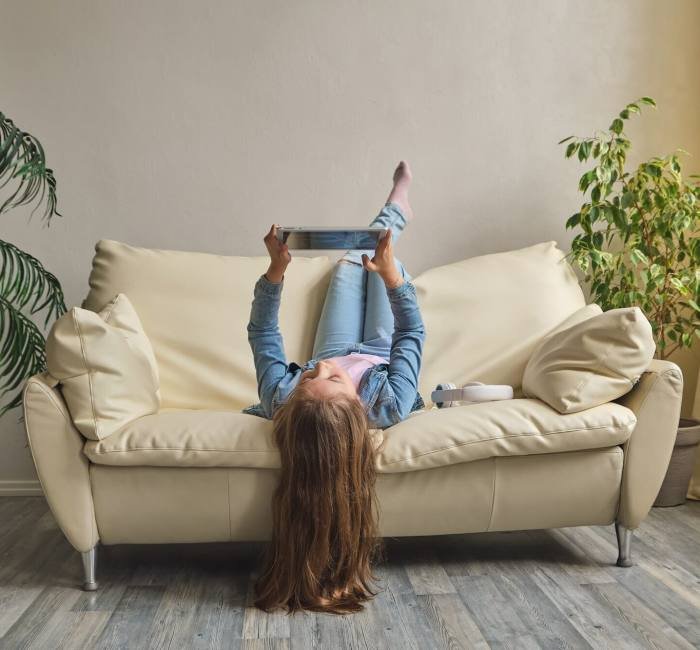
445	394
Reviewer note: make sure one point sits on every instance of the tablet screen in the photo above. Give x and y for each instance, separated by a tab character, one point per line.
330	238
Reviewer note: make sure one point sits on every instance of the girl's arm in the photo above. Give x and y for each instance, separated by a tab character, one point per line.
409	332
263	328
406	345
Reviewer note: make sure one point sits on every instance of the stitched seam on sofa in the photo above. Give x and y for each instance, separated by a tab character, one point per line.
91	524
111	305
228	451
89	376
493	492
228	495
94	517
515	435
29	440
80	374
49	394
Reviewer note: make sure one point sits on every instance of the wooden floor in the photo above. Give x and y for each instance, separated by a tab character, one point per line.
551	589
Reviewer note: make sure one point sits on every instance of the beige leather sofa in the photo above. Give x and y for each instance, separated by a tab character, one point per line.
201	471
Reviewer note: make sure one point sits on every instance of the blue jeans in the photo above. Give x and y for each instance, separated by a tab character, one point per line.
357	313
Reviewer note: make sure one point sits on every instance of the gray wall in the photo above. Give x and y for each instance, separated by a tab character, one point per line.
193	125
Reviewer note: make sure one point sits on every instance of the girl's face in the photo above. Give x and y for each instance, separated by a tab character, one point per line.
327	380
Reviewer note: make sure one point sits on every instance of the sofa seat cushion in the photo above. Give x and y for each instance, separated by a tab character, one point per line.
434	438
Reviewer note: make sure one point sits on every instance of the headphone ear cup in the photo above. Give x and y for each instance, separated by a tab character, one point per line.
444	386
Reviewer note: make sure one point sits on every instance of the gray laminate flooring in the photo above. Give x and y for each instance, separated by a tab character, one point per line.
551	589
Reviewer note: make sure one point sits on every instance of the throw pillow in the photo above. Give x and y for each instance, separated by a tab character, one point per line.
105	365
591	362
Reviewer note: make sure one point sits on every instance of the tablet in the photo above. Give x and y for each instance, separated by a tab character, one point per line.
318	238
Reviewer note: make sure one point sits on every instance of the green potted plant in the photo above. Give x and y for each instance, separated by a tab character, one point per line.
27	289
637	244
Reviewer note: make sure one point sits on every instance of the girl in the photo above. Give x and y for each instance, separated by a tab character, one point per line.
364	374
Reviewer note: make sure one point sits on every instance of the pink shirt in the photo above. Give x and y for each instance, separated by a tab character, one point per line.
356	363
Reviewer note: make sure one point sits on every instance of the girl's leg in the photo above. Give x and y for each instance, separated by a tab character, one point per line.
396	212
343	312
379	319
343	321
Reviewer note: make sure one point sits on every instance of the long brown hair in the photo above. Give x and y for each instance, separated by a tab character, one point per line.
324	513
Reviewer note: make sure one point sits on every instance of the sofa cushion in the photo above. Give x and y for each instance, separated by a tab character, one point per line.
591	362
195	307
105	365
433	438
485	315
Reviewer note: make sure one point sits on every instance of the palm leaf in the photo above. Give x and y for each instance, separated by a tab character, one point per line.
26	287
22	353
22	161
26	284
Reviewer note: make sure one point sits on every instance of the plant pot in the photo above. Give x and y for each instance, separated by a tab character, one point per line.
680	468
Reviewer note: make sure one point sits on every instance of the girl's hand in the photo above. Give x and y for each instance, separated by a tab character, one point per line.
383	262
279	256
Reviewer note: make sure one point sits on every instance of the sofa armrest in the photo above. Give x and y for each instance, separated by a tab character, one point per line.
57	449
656	401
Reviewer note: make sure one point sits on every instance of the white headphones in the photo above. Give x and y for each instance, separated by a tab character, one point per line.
446	395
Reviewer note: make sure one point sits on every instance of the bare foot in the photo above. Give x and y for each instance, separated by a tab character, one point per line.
399	193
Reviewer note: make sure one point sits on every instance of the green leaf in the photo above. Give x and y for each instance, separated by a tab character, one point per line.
647	100
584	150
638	257
25	283
573	220
617	125
586	180
678	285
565	140
21	355
627	199
618	217
23	166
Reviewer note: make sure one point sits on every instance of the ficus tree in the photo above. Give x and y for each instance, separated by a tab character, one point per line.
27	289
637	232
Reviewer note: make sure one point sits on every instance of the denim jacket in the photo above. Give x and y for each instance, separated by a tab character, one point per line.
388	391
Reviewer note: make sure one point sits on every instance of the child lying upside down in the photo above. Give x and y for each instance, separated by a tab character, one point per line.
364	374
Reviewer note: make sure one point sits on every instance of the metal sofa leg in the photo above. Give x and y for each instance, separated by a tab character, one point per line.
89	566
624	545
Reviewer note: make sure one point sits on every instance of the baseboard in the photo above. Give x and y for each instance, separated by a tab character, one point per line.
21	489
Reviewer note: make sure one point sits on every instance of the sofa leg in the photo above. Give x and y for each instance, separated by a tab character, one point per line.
624	545
89	566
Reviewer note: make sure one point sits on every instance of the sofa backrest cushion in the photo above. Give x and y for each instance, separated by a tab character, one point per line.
105	365
195	307
485	315
591	362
